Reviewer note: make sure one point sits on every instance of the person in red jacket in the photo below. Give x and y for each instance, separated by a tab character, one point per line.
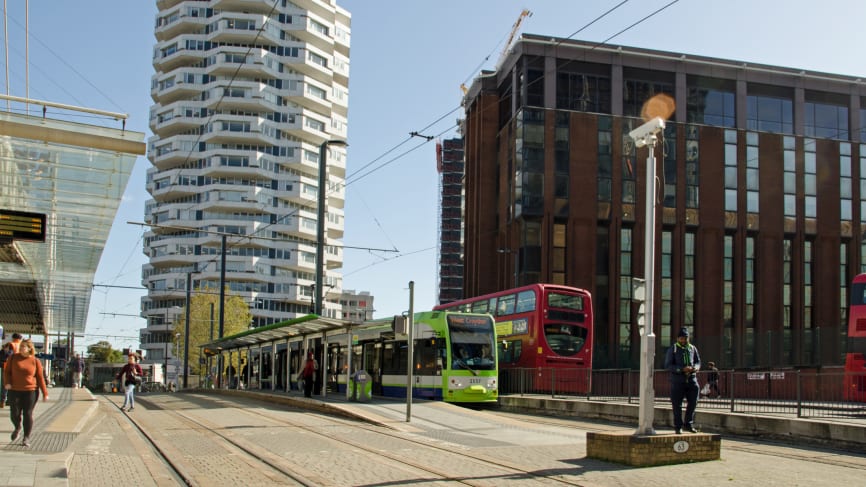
23	379
308	374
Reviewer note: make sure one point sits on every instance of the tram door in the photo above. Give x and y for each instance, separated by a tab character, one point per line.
316	347
334	367
295	363
281	363
373	365
267	367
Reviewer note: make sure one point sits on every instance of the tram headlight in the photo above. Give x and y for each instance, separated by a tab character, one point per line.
456	383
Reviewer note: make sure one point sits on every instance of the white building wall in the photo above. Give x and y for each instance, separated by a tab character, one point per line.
244	94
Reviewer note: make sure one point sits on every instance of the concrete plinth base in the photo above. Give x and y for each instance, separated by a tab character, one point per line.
651	450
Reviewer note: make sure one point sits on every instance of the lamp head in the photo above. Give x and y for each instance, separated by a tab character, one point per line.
642	134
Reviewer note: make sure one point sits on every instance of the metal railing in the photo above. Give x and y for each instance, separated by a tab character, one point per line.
804	393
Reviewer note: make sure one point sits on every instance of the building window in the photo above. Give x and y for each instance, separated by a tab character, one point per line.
582	92
810	179
750	295
728	300
711	102
787	264
826	121
843	300
629	166
789	177
862	120
730	170
669	148
808	330
601	305
667	285
625	300
636	92
605	161
769	114
692	158
559	254
562	164
753	167
689	281
845	182
529	170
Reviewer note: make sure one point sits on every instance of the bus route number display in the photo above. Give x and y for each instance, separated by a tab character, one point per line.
19	225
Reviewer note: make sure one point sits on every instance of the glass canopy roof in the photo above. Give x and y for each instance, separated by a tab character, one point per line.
75	174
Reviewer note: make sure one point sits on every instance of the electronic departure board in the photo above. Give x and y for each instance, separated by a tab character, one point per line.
19	225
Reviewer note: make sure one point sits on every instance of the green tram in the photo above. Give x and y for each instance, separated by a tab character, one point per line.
454	357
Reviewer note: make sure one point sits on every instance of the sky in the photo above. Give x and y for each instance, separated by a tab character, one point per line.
408	60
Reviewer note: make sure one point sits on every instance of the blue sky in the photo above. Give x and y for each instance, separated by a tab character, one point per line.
408	60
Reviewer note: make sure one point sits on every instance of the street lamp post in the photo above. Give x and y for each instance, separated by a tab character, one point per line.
645	135
177	349
320	224
166	334
186	330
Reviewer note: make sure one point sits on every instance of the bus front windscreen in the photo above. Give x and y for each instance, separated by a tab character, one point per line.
472	345
565	339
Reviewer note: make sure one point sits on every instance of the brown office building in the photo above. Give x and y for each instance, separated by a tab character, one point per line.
761	200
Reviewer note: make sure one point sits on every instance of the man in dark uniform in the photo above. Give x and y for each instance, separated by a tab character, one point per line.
683	362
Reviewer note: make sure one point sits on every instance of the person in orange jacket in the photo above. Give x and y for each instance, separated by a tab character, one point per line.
23	379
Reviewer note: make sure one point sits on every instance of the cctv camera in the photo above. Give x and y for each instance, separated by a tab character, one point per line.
641	134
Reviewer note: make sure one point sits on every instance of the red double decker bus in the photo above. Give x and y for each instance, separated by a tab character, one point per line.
544	335
855	356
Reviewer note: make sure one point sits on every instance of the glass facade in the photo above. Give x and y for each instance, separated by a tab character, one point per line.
74	174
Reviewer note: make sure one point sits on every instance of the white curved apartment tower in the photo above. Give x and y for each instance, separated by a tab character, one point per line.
245	94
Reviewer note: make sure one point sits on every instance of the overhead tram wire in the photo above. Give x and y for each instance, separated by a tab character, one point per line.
65	63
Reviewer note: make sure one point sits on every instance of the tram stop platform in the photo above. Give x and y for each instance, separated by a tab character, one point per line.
73	417
57	422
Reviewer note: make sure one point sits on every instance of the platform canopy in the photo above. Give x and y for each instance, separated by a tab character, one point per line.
305	325
74	175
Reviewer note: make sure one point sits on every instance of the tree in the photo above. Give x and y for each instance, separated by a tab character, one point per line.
101	352
204	324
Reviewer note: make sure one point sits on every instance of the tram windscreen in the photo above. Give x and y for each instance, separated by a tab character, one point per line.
472	340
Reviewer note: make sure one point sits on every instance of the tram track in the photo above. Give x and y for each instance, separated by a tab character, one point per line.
424	443
446	456
169	456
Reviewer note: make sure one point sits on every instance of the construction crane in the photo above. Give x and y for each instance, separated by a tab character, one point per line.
523	14
514	28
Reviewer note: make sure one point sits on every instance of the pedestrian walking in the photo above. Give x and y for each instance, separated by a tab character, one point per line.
308	374
130	375
712	387
683	362
77	370
5	353
23	379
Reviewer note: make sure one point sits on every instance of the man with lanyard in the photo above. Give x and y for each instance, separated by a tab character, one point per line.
683	362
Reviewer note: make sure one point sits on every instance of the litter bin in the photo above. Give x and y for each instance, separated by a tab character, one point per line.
361	386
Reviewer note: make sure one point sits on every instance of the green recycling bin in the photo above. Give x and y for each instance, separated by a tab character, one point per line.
361	386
